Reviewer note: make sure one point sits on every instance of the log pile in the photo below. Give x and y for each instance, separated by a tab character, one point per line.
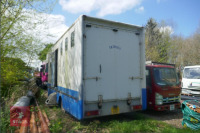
39	122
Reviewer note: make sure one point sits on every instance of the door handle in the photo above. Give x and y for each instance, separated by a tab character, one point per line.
100	68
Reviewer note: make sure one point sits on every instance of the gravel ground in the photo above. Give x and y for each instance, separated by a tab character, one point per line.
173	118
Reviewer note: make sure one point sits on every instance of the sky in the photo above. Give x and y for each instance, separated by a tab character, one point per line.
183	16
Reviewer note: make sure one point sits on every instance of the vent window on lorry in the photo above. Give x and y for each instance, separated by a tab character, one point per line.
72	39
66	44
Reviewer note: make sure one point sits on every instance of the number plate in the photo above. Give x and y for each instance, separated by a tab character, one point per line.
172	107
115	110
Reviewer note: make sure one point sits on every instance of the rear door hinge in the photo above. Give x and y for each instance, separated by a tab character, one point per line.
132	78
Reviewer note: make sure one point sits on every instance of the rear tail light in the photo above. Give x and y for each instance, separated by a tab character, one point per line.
91	113
137	107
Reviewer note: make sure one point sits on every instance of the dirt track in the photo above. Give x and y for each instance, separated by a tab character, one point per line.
173	118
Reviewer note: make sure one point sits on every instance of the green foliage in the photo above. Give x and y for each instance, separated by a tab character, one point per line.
5	121
17	39
56	126
161	46
12	71
19	91
185	51
43	53
157	42
134	123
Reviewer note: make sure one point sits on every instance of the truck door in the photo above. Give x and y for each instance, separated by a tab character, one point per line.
111	60
149	86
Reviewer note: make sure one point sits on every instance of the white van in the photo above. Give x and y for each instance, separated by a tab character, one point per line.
191	80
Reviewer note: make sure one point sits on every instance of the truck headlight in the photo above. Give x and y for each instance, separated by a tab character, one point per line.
159	102
158	96
158	99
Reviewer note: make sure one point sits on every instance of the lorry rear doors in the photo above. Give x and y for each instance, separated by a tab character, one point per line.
111	63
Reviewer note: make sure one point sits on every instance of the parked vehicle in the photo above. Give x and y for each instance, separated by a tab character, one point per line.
42	76
163	87
191	80
97	68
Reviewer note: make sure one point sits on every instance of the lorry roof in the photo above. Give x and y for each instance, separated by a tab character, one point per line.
110	21
100	20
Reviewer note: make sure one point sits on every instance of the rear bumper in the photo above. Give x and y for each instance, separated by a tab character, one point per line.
111	108
167	107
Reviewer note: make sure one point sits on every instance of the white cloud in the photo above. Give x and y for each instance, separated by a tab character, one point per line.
44	28
103	7
55	26
167	29
139	10
49	28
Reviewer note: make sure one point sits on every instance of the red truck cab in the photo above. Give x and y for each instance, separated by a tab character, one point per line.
163	86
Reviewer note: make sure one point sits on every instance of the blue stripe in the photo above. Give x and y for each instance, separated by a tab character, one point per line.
71	105
144	99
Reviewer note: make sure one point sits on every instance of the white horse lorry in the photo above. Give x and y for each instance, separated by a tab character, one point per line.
97	68
191	80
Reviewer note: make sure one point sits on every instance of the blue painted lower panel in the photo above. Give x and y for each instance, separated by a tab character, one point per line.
144	98
71	101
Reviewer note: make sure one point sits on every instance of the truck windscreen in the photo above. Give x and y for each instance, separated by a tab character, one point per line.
192	73
165	76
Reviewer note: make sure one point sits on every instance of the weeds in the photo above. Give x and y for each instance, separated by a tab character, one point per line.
133	122
5	121
56	126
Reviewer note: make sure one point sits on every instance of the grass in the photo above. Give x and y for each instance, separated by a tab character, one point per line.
62	122
126	123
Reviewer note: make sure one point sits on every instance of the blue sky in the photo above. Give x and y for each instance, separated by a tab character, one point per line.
182	15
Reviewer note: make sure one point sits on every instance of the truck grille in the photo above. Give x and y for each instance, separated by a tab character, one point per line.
170	99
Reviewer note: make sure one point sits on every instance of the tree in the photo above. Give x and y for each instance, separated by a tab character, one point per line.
185	51
176	50
12	71
191	49
17	24
43	53
157	40
152	39
16	37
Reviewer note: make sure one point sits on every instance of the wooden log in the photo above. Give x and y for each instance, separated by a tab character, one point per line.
44	126
39	127
24	126
33	124
46	118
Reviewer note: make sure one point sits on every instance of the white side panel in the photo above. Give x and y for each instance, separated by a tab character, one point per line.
70	62
70	58
111	59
